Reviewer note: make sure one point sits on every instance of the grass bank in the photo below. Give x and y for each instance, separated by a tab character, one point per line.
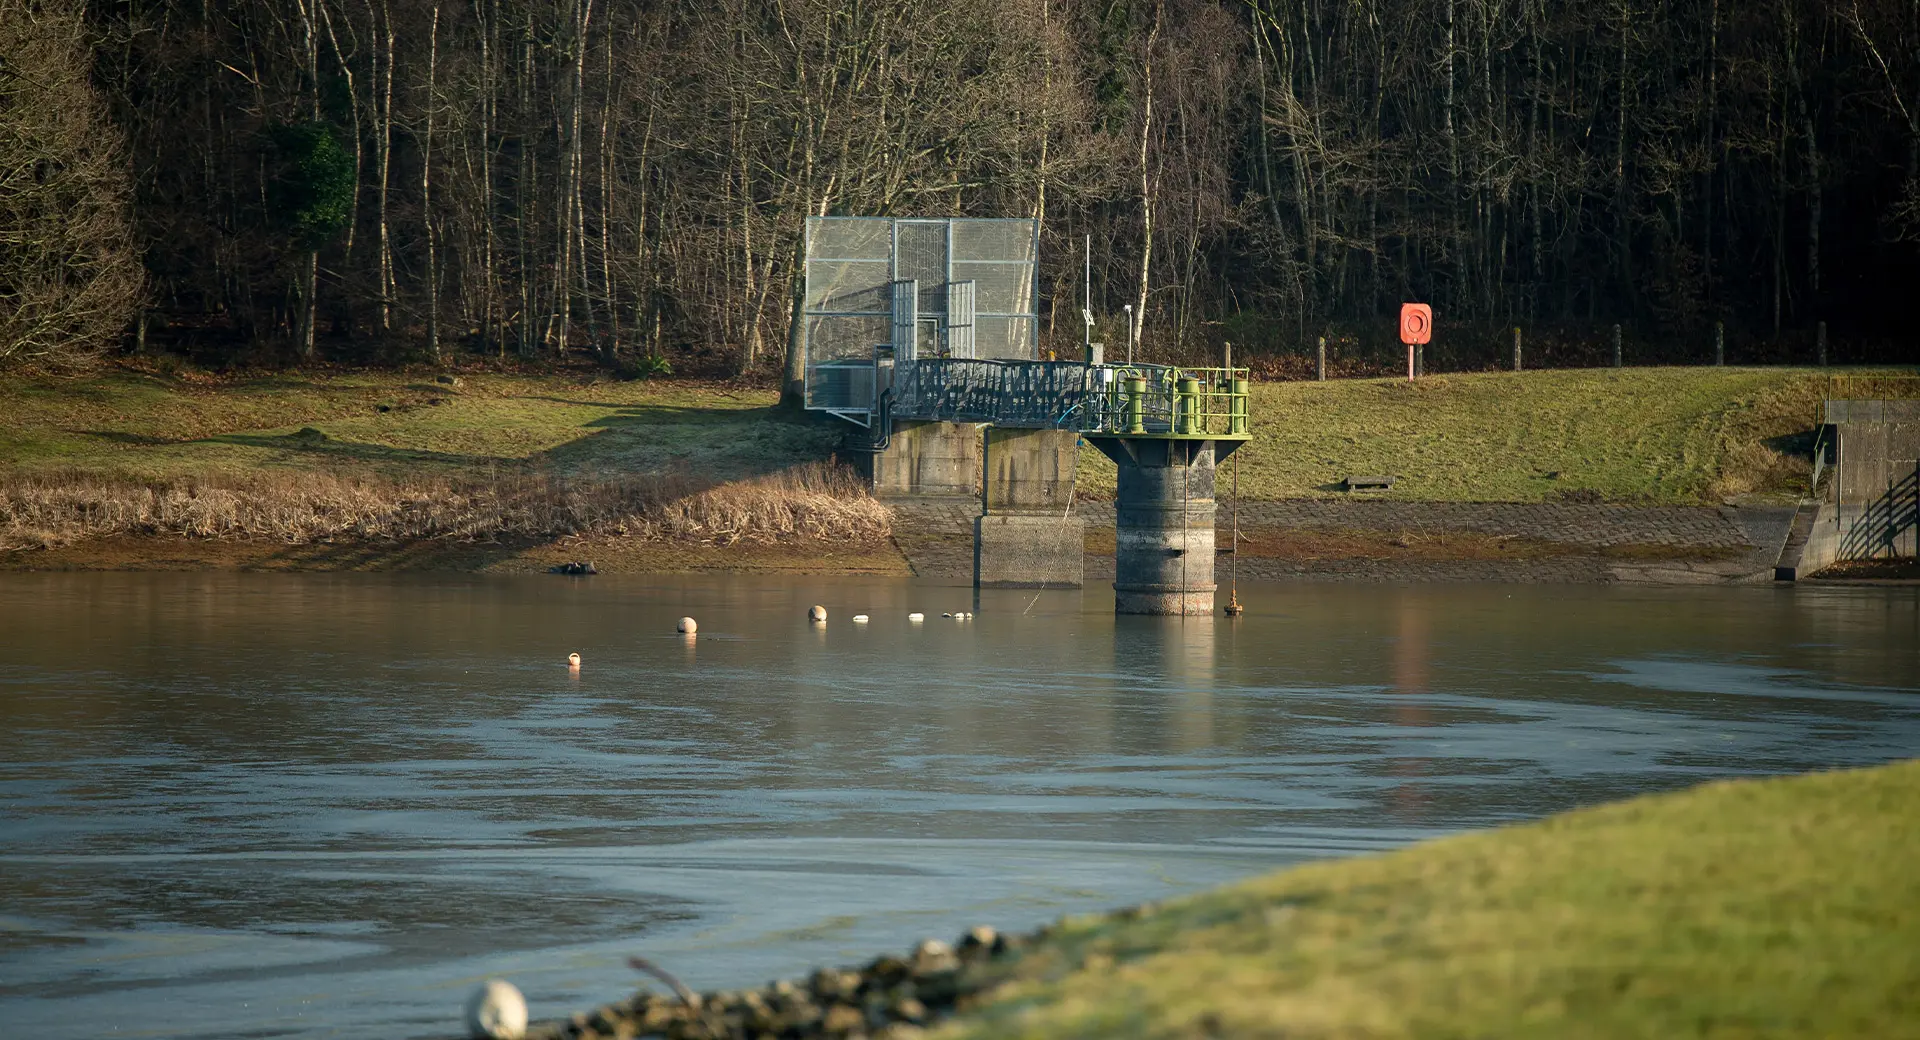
532	460
1665	436
159	424
1768	908
480	471
1779	908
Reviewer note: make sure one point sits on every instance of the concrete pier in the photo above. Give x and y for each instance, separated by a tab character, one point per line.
1026	536
1029	471
1164	522
927	458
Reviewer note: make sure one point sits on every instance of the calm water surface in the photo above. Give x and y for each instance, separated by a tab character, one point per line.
319	806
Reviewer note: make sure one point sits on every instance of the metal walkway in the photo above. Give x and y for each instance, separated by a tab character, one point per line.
1154	401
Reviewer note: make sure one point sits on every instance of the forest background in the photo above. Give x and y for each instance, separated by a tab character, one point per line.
404	180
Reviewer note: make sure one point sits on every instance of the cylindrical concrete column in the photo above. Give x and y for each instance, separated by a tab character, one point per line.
1163	533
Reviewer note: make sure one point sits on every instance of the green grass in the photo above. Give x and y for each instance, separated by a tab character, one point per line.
153	425
1772	908
1655	435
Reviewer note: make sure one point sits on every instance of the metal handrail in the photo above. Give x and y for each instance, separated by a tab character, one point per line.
1143	400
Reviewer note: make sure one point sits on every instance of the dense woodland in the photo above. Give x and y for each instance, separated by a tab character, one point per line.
414	178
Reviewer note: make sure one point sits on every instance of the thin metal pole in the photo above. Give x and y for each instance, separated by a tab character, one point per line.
1516	348
1320	361
1088	305
1233	577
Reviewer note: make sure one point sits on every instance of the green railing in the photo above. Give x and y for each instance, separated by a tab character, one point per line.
1165	401
1131	400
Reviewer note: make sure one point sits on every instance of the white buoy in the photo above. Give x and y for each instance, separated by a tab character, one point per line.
947	614
497	1011
861	619
688	626
573	660
916	616
816	613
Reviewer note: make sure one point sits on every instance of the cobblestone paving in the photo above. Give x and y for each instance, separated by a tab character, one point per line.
1596	526
937	536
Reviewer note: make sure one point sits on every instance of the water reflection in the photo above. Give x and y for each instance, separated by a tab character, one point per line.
244	790
1410	668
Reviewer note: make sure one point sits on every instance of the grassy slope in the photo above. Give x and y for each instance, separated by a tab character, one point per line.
151	425
1664	435
1660	435
1773	908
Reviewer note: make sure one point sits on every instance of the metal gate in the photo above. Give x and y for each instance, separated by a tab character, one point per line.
960	320
906	321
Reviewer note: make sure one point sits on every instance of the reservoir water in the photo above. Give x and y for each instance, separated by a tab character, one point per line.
240	805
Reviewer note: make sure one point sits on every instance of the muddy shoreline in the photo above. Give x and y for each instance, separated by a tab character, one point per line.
1342	541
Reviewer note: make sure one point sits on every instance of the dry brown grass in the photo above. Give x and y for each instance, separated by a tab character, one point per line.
810	503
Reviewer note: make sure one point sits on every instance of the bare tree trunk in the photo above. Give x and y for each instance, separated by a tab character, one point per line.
426	189
606	173
1146	183
383	72
309	302
490	331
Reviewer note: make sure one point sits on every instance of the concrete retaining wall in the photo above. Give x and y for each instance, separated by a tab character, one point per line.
1876	480
928	458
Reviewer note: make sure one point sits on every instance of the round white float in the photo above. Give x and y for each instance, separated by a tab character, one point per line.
816	613
861	619
916	616
573	660
688	626
497	1011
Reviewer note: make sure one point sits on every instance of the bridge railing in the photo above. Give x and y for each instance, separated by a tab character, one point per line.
1165	400
1146	400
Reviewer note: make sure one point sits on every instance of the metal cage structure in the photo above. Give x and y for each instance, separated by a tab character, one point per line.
883	293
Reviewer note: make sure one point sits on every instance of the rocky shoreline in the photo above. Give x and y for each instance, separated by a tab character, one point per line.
888	998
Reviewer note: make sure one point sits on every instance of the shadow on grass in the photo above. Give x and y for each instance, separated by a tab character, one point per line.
729	443
358	451
121	437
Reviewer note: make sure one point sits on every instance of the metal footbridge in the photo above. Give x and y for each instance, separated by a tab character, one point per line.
919	329
1156	401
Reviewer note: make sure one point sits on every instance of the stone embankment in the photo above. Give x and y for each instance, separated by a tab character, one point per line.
889	997
1382	540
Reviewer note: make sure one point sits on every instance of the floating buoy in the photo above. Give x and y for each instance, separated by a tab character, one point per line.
688	626
861	619
916	616
947	614
816	613
573	660
497	1011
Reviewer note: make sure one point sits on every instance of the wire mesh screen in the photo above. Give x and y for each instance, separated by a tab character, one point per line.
852	264
920	255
